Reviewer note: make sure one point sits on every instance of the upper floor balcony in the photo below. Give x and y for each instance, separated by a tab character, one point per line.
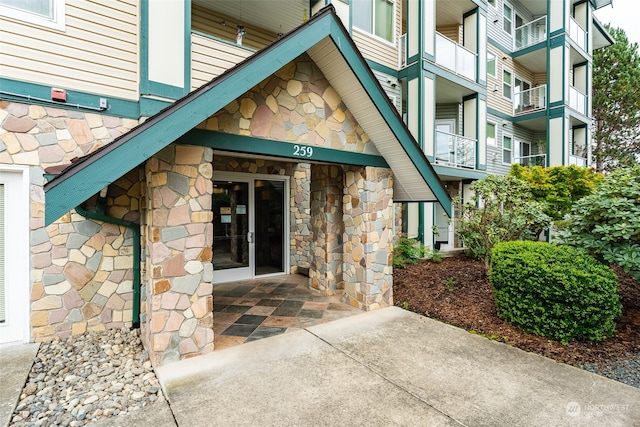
577	33
455	150
531	33
577	100
533	160
530	100
455	57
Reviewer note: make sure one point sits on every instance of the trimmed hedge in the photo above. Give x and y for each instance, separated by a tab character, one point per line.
554	291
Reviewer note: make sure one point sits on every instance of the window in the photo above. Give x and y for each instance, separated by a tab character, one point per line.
507	149
507	84
491	64
491	133
48	13
522	94
376	17
507	18
492	2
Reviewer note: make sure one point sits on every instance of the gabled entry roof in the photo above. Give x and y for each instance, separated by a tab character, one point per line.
329	45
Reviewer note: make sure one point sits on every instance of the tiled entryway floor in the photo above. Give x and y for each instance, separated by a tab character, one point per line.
261	308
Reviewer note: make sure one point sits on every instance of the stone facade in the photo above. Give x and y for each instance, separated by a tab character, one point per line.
81	277
178	312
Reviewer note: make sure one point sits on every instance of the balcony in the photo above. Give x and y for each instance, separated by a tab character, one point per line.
455	57
577	34
455	150
577	100
531	100
211	56
578	161
535	160
531	33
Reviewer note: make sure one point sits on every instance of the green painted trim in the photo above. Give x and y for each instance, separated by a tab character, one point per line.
499	114
269	147
556	34
529	116
382	68
117	106
556	112
497	44
413	59
144	46
164	90
529	49
150	107
459	172
554	105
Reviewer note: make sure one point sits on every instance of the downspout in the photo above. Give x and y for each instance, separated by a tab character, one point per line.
100	215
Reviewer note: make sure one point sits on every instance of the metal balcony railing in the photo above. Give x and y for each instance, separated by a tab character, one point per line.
534	160
577	34
531	33
577	100
402	51
455	57
455	150
530	100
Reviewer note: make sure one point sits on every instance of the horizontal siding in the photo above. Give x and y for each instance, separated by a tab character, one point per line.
495	99
210	58
377	50
97	52
392	92
209	22
453	32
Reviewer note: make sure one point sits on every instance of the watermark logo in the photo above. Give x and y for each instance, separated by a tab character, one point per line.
573	409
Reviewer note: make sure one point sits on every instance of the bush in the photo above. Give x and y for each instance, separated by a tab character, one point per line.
554	291
501	210
409	251
606	224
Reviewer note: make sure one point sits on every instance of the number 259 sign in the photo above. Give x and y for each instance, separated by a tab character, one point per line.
302	151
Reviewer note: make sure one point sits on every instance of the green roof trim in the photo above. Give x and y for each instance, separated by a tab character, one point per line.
90	174
289	150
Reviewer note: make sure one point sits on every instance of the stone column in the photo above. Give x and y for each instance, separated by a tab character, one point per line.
325	270
368	237
179	320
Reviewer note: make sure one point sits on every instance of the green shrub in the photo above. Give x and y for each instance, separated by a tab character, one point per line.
606	224
407	251
554	291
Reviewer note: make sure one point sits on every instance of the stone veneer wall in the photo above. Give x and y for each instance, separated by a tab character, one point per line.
81	277
299	200
177	321
368	216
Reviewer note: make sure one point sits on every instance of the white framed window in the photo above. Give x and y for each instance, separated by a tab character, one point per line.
47	13
507	83
376	17
507	18
507	149
521	94
491	64
491	133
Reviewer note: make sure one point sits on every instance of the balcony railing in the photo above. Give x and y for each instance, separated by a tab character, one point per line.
531	33
402	51
578	161
455	57
577	100
535	160
455	150
530	100
577	34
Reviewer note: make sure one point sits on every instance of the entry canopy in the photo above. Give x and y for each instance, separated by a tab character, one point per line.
329	45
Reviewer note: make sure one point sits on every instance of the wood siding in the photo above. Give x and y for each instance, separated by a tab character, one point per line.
495	100
394	93
97	52
210	22
210	58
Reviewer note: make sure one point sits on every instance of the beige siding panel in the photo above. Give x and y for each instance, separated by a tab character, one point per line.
209	22
210	58
375	50
452	32
97	52
495	99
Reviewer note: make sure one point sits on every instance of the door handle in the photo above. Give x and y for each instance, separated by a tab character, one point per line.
250	237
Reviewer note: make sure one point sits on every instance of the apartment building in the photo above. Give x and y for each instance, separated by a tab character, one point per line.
152	149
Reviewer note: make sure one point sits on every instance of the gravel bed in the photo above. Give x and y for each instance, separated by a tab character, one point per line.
85	378
626	371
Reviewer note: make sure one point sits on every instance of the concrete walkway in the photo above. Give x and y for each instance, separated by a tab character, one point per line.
15	363
389	367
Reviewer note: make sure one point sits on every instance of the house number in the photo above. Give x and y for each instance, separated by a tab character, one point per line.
302	151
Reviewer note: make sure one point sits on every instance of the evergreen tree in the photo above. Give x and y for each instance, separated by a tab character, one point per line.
616	103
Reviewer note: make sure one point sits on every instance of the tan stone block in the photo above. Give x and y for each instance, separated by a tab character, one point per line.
36	112
80	131
159	179
43	332
30	158
272	104
27	141
57	289
331	97
78	328
108	288
90	310
212	123
101	133
202	216
161	341
174	322
158	320
108	250
97	328
48	302
188	155
161	286
123	262
232	107
294	87
170	300
339	115
199	308
37	291
316	100
39	318
247	107
94	120
287	72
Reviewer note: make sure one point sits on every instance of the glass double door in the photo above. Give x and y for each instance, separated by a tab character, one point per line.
249	227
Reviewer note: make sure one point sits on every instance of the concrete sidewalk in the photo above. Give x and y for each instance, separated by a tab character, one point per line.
389	367
15	363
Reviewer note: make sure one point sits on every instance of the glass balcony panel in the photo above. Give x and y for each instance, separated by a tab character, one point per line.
534	160
530	100
577	100
402	51
577	34
455	150
531	33
578	161
455	57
